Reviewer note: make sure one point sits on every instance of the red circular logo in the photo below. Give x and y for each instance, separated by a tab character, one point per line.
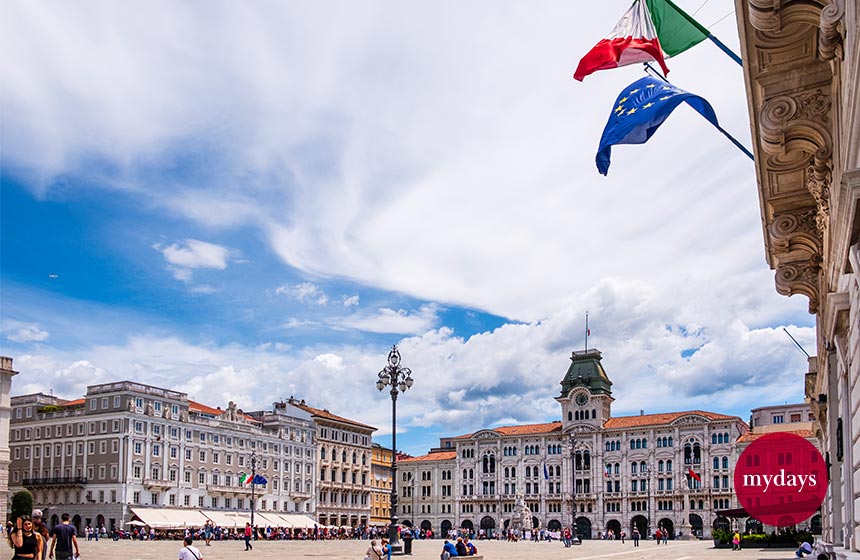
781	479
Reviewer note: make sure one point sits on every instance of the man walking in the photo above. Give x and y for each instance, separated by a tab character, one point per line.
189	552
64	539
635	534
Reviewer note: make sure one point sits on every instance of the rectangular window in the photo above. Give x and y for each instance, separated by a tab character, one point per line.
105	402
93	404
117	403
200	501
778	419
186	500
136	497
201	478
187	476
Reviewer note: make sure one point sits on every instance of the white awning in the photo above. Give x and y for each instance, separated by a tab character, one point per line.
167	518
229	519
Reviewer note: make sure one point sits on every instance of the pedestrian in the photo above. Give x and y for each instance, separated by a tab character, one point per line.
473	550
26	542
665	536
461	547
658	536
448	550
736	541
40	527
386	549
635	534
64	538
207	532
374	551
805	548
189	552
623	536
248	532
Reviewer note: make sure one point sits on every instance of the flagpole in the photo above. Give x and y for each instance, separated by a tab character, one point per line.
726	50
586	331
726	133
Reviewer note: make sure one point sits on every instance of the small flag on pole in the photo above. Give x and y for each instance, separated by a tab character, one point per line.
639	111
258	479
243	478
605	471
545	472
693	475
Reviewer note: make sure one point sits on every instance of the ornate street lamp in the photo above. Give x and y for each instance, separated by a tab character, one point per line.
576	448
399	379
253	485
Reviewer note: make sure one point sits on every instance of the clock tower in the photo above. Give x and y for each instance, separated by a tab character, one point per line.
586	391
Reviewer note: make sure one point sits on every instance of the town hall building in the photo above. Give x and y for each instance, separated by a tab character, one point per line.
598	472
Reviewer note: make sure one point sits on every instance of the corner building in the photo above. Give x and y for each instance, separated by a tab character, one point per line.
128	446
590	469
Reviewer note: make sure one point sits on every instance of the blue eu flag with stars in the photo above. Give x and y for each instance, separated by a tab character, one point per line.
640	110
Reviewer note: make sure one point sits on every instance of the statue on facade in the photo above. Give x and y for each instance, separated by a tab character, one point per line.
231	411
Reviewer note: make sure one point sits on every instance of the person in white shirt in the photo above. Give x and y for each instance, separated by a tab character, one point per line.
189	552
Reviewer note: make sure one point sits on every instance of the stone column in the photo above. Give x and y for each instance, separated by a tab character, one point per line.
6	374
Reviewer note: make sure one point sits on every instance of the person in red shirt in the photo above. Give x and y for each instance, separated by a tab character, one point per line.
248	532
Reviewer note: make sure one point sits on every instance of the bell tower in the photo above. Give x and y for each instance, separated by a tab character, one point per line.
586	391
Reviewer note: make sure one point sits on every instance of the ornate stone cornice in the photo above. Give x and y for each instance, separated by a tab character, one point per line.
771	15
801	277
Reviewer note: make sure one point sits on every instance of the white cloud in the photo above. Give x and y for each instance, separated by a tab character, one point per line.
306	292
350	301
184	258
386	320
509	375
23	333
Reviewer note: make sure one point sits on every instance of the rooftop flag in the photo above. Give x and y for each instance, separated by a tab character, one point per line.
640	110
649	30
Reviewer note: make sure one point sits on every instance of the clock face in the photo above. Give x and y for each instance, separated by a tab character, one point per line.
581	399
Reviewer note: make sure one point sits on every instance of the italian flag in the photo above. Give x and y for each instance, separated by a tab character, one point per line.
245	479
650	30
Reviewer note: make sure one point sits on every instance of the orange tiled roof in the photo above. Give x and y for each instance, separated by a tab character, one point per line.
438	456
195	406
749	437
659	419
326	414
522	430
76	402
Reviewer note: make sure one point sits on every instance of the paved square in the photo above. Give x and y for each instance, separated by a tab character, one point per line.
426	550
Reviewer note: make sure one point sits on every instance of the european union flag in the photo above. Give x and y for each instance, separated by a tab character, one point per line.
640	110
258	479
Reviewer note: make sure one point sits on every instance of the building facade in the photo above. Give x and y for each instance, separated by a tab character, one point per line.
6	374
129	445
344	486
802	72
380	499
590	470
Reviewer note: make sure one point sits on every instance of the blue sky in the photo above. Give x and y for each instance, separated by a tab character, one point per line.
252	201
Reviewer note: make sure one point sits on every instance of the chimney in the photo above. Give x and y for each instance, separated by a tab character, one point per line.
641	412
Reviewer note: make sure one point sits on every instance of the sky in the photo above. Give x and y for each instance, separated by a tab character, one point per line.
251	201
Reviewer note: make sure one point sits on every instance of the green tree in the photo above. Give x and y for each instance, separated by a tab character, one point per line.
22	504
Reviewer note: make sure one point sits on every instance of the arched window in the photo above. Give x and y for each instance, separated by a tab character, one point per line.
607	446
726	437
633	467
725	462
669	465
513	471
569	416
638	444
697	453
671	443
593	413
586	459
322	453
642	467
660	465
617	468
354	458
486	464
343	456
688	453
644	444
632	444
716	463
714	438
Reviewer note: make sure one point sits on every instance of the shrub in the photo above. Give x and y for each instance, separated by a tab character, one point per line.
22	504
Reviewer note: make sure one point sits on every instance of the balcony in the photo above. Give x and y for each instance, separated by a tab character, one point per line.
232	490
73	481
300	496
153	484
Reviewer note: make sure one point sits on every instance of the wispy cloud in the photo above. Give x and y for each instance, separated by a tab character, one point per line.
306	292
350	301
385	320
24	332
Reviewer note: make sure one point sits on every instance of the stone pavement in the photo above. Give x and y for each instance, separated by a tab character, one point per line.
425	550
